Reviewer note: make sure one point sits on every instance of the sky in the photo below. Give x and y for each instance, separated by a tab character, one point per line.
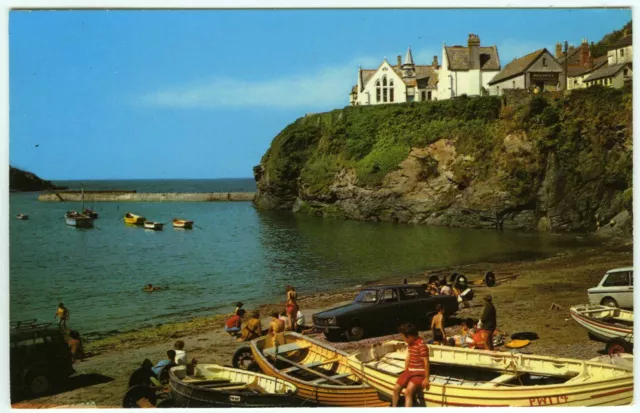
200	94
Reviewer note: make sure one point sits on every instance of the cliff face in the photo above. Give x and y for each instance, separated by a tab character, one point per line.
20	180
549	163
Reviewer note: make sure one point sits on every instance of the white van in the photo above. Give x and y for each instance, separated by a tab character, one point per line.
615	289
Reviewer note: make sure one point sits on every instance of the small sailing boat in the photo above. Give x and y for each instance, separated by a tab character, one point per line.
78	220
156	226
22	217
134	219
181	223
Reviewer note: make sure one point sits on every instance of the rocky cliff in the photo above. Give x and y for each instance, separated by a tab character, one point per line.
20	180
548	163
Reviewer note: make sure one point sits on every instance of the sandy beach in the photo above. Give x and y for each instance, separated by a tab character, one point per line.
523	303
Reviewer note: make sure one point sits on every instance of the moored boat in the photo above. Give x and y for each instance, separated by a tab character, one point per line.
609	324
78	220
212	385
181	223
156	226
22	217
466	378
320	372
90	213
134	219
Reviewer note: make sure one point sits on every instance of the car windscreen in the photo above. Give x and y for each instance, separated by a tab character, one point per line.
367	296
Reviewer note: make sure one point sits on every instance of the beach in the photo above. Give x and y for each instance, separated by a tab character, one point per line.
523	298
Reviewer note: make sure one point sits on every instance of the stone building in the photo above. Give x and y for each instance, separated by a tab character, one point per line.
403	82
539	71
467	70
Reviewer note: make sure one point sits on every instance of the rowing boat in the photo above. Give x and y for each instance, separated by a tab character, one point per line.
468	378
156	226
608	324
133	219
182	223
212	385
320	372
22	217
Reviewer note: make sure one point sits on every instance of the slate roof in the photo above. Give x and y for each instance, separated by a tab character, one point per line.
517	66
579	70
574	56
458	58
423	73
605	71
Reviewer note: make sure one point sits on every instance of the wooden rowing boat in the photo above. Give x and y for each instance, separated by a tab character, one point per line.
134	219
605	323
22	217
156	226
212	385
467	378
319	371
181	223
75	219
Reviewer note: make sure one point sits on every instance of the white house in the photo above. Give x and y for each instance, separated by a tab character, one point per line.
618	70
403	82
467	70
536	70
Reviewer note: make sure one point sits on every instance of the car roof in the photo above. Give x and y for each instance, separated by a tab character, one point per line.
620	269
25	334
384	287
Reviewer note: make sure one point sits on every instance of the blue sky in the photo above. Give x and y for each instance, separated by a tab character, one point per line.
201	94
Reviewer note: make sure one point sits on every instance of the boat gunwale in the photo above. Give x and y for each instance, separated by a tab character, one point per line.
601	323
257	353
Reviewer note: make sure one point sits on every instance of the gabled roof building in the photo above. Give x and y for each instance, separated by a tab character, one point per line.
539	71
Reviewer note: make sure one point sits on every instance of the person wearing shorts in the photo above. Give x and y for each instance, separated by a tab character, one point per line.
415	376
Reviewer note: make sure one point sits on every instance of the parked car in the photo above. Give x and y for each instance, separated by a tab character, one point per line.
382	309
40	357
615	289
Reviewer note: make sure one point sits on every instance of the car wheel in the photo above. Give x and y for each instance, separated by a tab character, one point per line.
242	358
355	333
333	335
490	279
609	302
38	382
461	282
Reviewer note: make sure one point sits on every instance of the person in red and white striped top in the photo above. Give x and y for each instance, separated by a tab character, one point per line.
415	376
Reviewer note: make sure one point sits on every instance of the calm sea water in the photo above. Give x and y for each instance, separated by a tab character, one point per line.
236	253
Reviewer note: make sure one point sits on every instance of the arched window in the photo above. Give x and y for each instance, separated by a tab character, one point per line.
378	91
391	91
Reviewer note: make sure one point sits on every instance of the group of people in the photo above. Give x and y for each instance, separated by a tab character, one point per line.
149	375
441	288
415	377
291	319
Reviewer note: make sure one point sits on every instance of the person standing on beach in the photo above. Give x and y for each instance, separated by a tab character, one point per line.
292	307
63	314
489	321
415	376
437	326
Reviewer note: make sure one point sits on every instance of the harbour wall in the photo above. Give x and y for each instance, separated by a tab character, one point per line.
146	197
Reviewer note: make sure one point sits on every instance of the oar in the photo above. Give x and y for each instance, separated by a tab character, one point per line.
97	227
197	226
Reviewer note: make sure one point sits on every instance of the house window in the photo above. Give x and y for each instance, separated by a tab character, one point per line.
429	95
391	91
544	61
384	94
378	91
621	52
625	72
424	96
513	84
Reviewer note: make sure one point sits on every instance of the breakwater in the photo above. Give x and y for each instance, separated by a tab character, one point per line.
132	196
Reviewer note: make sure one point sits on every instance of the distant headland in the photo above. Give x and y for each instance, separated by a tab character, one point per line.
23	181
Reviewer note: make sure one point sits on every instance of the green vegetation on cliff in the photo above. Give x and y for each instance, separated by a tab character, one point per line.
578	145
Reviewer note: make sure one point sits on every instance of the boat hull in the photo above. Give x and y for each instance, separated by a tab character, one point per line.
155	226
84	222
589	318
134	219
328	395
22	217
183	224
578	391
191	395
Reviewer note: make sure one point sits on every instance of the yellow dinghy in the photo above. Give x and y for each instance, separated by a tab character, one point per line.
468	378
319	371
134	219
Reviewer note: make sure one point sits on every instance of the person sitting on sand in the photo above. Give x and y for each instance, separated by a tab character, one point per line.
277	325
445	290
63	314
233	325
75	345
143	375
253	328
181	355
162	364
437	327
239	305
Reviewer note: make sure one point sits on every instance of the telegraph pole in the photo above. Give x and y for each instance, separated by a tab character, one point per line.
566	63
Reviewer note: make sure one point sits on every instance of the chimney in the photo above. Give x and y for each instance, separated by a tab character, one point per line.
474	51
558	50
435	62
584	53
399	60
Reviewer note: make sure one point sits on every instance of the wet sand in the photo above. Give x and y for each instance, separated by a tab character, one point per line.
523	304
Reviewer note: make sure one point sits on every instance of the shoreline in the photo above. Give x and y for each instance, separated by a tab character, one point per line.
523	303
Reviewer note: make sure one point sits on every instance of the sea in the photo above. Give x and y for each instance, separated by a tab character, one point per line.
235	253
